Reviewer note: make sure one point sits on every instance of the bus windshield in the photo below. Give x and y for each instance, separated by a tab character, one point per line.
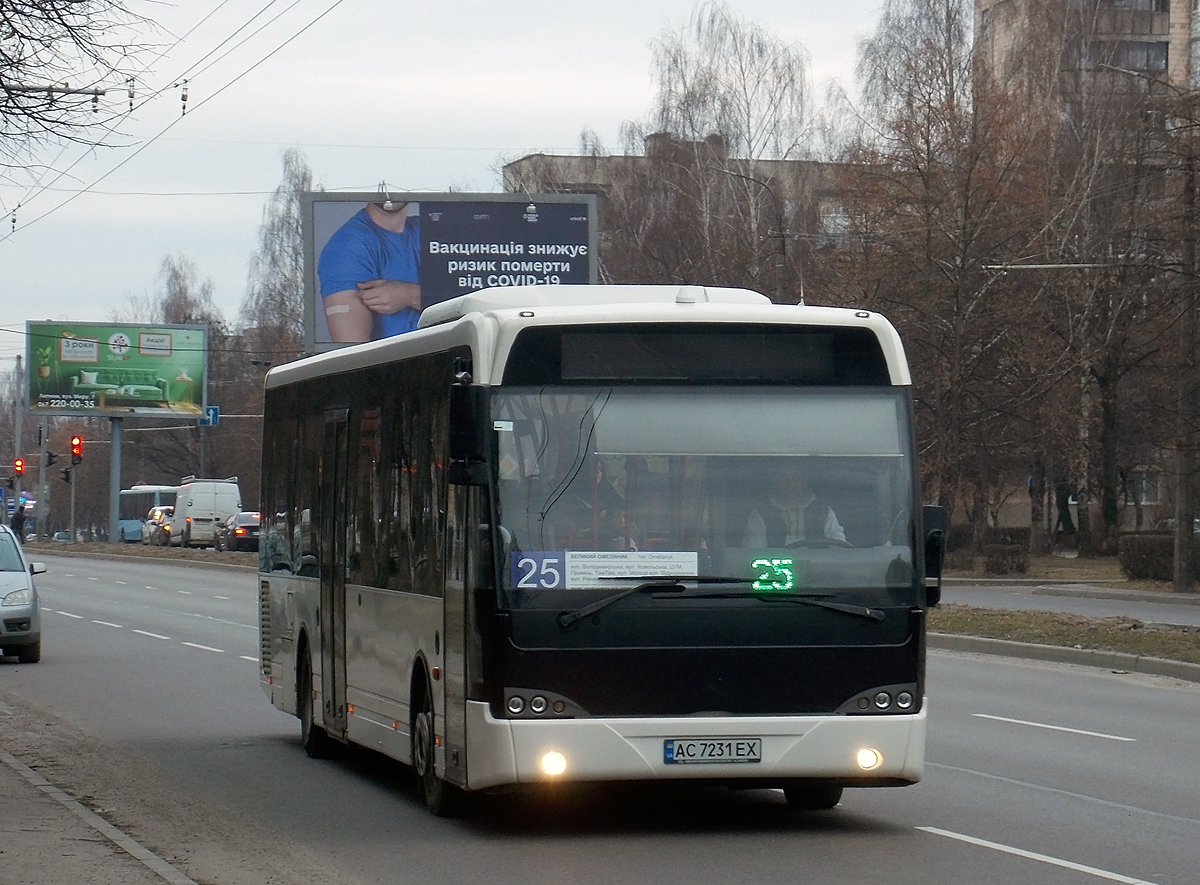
780	490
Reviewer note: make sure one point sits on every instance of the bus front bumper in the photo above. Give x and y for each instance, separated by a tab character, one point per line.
828	748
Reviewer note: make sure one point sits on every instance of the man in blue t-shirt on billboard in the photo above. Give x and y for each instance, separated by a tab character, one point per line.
369	273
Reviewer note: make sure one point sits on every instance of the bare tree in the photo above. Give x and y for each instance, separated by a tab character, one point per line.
58	59
948	183
720	74
273	310
706	191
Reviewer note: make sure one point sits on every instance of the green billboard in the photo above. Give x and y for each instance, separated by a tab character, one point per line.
116	369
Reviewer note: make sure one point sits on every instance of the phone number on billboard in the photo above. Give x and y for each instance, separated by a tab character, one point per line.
66	402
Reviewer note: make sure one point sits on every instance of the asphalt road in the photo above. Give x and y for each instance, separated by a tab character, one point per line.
147	704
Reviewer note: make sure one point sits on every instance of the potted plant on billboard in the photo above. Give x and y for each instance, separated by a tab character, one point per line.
44	355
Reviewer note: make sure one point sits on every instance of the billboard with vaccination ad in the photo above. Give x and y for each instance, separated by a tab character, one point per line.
374	261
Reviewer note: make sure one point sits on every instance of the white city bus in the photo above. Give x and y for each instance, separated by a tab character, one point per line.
514	546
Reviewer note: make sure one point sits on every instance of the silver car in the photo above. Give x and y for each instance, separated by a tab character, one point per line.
20	621
156	525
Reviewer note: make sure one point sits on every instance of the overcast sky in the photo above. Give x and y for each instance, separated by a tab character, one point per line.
423	95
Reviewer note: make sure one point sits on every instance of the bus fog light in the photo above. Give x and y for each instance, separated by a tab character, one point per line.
516	705
538	705
904	700
869	759
554	763
883	700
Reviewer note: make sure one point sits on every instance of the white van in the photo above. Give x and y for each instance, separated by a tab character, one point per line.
200	506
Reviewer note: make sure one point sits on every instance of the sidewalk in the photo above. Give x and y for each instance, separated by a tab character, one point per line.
48	838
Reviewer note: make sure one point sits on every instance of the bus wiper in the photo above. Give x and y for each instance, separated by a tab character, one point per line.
665	584
675	584
862	611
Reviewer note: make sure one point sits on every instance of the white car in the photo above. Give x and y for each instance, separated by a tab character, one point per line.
20	621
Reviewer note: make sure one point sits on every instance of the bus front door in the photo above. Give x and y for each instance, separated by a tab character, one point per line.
331	529
455	625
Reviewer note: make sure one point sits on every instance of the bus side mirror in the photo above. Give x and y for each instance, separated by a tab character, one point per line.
933	521
468	457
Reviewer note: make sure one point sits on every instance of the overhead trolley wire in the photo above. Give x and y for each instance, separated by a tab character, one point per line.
75	195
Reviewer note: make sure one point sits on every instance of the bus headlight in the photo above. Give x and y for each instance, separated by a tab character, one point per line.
554	763
869	759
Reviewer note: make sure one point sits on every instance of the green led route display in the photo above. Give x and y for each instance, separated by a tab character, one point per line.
116	369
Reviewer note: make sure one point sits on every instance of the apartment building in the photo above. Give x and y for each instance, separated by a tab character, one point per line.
1066	45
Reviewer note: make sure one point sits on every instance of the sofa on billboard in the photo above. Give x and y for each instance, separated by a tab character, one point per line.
131	385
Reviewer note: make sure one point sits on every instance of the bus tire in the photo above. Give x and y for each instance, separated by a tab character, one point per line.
317	743
803	796
441	798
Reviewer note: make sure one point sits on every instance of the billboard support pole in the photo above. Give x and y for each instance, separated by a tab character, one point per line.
114	481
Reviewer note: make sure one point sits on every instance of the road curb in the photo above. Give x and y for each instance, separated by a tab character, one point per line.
110	868
1088	657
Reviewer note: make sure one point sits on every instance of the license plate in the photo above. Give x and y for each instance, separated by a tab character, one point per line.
712	750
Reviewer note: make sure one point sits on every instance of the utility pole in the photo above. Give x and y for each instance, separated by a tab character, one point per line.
18	422
1188	403
43	503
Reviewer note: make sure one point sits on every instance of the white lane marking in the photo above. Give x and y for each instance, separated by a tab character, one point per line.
1097	734
248	658
151	635
120	583
184	592
148	587
69	615
226	598
204	647
90	578
108	624
1082	797
1042	858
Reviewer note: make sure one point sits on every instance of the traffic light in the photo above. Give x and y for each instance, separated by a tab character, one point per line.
65	473
50	458
76	449
19	466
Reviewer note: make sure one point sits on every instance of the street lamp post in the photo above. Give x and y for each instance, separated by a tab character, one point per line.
780	235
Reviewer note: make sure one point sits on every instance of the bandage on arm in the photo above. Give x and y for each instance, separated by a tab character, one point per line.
348	318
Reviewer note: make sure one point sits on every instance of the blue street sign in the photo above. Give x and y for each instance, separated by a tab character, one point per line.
212	416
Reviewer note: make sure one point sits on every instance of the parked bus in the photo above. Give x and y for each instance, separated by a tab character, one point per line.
135	503
533	542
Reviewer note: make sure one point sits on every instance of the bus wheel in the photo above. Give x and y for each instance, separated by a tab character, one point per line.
812	797
316	742
443	799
